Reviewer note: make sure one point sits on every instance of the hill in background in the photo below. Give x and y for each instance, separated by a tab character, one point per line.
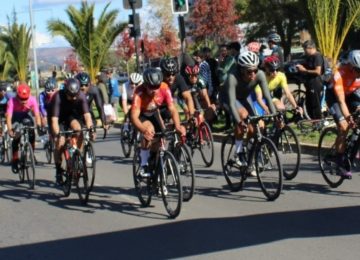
47	58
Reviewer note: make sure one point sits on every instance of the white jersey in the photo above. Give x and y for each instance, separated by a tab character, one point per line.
127	92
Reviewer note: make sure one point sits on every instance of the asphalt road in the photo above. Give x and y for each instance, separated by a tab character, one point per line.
308	221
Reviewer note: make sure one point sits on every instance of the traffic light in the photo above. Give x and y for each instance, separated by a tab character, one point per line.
134	25
180	6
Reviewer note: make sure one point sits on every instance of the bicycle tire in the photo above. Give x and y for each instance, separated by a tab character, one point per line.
142	185
81	177
288	146
67	174
8	148
327	157
29	165
2	152
48	151
233	176
206	142
187	171
170	183
89	161
126	140
269	178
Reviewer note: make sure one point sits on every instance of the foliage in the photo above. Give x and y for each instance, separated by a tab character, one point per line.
71	62
214	20
125	45
332	21
17	38
5	65
90	40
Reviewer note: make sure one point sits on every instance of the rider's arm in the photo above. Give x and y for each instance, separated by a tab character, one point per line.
124	99
265	90
289	96
259	99
230	90
99	104
186	95
204	93
35	109
55	125
340	94
88	120
9	112
42	108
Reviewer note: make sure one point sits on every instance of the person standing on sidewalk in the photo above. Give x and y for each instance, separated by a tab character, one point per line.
115	93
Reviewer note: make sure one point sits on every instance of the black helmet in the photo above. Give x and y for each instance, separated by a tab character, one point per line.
152	78
50	85
83	78
72	87
169	65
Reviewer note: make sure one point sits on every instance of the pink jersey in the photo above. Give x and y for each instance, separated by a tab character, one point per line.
16	107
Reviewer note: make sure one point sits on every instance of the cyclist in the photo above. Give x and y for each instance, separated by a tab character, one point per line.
92	93
176	82
70	110
3	103
18	109
145	114
45	99
277	83
343	98
274	41
241	82
127	91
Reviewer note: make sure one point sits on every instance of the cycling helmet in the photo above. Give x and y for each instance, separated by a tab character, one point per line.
72	87
190	70
23	91
248	60
274	37
136	78
169	65
3	86
354	58
50	85
272	62
152	78
83	78
253	46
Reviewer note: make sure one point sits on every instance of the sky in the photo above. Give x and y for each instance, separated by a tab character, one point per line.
44	10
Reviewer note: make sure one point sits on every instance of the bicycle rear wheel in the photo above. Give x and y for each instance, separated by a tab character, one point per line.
232	174
126	140
82	179
29	165
268	169
2	152
327	157
289	148
142	185
206	142
48	151
186	168
170	184
8	147
66	178
90	163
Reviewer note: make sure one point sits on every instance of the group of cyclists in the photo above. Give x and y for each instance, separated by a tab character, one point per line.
252	85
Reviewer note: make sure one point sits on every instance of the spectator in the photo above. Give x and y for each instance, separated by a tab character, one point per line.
115	92
213	68
205	72
311	70
102	81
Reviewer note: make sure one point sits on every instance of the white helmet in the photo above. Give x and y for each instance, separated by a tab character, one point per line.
248	60
354	58
136	78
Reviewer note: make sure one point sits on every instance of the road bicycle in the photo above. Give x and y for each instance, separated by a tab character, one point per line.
5	144
48	146
261	155
74	167
165	178
129	137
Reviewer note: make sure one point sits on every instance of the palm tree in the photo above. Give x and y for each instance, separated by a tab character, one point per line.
90	40
17	40
5	58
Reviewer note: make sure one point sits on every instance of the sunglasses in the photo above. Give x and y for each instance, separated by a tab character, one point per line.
193	75
84	85
132	83
169	74
49	91
249	72
273	70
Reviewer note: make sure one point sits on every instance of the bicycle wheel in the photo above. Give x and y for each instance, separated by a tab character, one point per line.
232	174
126	140
48	151
81	177
186	168
206	142
90	163
268	169
2	152
327	157
67	173
142	185
288	147
8	147
170	184
29	165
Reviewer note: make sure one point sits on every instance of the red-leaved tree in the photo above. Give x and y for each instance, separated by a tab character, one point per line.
214	20
125	46
71	62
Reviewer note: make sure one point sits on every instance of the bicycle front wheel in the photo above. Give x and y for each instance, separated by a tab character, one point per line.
170	183
48	151
142	185
29	165
232	174
90	163
186	169
2	152
126	140
268	169
206	143
289	148
66	177
82	179
327	157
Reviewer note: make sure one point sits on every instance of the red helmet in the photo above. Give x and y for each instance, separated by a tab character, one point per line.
254	47
190	70
272	62
23	91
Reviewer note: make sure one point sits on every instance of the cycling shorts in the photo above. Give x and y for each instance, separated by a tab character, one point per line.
352	102
153	120
247	104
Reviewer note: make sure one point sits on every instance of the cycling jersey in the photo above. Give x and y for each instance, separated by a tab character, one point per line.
94	94
279	81
3	105
345	81
19	111
44	103
127	91
239	90
149	104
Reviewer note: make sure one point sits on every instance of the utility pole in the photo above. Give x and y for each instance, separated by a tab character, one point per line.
33	36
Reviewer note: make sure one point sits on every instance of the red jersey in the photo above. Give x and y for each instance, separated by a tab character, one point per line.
345	81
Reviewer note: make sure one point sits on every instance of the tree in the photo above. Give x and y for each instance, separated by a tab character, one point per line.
90	40
125	45
17	40
332	20
214	20
5	63
71	62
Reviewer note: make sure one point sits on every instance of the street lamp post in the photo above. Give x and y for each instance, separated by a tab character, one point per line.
34	49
